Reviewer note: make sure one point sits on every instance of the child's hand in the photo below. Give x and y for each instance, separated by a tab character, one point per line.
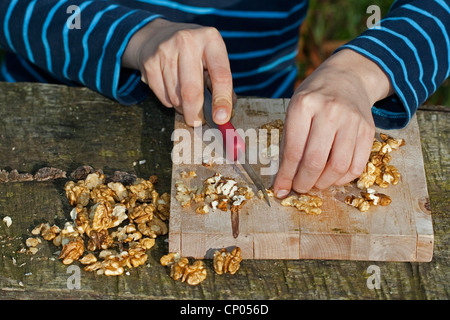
329	128
174	58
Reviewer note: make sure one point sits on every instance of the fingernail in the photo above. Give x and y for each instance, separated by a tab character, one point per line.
282	193
221	115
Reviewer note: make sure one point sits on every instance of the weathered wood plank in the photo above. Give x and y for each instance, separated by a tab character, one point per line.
38	120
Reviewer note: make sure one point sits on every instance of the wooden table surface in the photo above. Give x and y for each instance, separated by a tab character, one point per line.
57	126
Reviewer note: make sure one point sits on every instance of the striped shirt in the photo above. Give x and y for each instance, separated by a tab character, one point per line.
81	42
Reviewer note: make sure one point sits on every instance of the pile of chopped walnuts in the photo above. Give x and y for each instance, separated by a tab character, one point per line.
378	172
217	192
113	224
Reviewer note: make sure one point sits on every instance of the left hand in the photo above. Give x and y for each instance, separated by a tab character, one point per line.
329	128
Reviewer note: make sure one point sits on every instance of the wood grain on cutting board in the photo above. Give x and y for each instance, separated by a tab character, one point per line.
401	231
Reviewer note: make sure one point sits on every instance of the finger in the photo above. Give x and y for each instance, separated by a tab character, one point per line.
295	135
190	75
340	157
153	77
315	156
218	67
361	153
208	84
169	69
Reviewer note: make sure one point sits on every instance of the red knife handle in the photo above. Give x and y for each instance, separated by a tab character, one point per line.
232	141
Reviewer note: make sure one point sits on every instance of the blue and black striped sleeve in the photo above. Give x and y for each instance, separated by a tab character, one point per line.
411	45
46	33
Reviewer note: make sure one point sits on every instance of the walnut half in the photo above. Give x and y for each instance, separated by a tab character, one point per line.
227	262
180	269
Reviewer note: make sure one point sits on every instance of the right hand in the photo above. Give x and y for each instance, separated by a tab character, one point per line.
175	59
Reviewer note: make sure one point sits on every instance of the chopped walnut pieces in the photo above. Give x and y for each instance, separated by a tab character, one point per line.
368	177
375	198
65	235
169	258
378	172
99	240
32	242
77	193
393	143
142	189
368	198
195	273
88	259
118	215
153	228
227	262
180	269
7	220
163	206
102	216
72	251
93	266
388	175
202	209
309	204
190	174
137	255
141	213
184	193
94	180
147	243
207	162
103	193
358	202
121	213
49	233
268	191
120	192
218	192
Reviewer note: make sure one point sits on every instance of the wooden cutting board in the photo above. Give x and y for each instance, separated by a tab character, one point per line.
402	231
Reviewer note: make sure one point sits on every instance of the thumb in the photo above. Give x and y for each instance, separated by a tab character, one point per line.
221	108
218	68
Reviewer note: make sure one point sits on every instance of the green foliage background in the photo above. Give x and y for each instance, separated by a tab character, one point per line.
331	23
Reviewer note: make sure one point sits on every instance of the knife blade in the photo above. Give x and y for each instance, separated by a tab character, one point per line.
234	145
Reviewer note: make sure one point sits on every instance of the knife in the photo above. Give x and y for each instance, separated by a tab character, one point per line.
233	143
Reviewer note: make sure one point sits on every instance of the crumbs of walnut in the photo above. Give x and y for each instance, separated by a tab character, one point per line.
218	192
